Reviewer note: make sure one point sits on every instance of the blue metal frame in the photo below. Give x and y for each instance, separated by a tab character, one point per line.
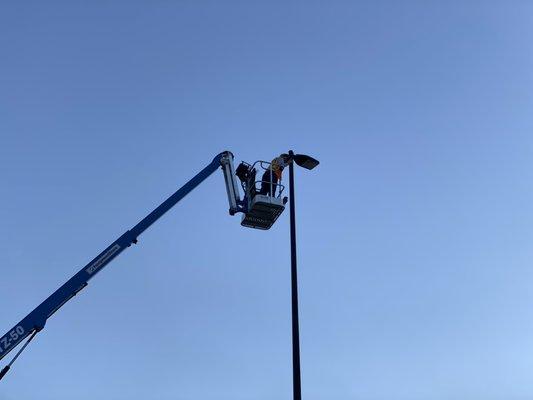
36	320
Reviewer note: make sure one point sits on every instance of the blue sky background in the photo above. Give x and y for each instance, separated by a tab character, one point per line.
415	233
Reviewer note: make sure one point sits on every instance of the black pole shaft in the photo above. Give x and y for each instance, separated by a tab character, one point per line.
297	386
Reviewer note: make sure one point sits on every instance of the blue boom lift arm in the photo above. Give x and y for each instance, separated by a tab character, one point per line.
36	320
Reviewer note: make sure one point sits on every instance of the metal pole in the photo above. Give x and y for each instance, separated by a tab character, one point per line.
297	388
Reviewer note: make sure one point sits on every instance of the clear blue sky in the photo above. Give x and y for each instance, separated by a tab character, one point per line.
415	233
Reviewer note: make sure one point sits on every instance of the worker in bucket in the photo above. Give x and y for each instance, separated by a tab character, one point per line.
272	175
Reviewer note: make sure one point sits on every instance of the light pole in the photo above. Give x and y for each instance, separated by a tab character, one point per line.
309	163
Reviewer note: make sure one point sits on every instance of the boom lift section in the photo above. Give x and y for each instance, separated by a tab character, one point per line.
36	320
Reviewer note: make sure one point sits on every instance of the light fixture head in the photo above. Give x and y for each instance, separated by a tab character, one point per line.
305	161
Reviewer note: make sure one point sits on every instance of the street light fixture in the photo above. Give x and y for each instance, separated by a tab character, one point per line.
306	162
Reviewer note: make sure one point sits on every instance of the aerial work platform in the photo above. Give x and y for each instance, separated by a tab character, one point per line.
263	202
261	206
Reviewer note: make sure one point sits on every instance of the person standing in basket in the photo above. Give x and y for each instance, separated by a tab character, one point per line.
272	175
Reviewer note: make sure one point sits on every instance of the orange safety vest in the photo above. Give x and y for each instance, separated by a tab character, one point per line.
277	166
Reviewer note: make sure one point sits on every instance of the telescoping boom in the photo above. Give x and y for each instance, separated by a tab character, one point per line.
36	320
260	209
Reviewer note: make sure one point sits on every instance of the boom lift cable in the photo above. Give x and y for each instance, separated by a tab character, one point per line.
8	366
